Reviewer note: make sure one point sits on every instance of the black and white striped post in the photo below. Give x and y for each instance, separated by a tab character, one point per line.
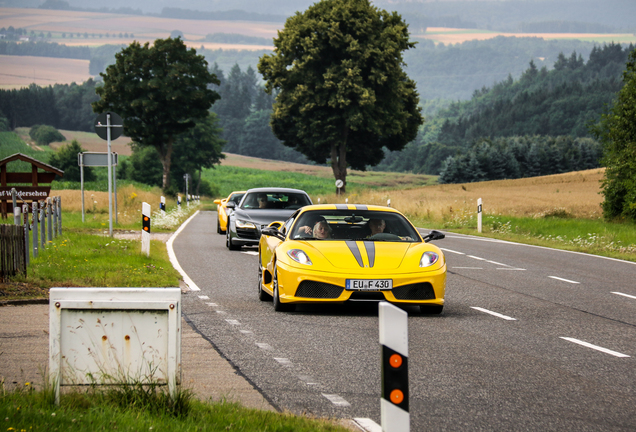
394	339
145	228
479	215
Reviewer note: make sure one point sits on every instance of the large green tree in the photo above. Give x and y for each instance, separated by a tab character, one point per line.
343	93
617	131
198	148
159	91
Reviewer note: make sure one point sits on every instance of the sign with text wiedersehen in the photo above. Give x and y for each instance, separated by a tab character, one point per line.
26	193
96	159
102	123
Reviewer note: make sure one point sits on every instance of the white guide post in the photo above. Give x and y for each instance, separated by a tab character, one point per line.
145	231
479	215
394	339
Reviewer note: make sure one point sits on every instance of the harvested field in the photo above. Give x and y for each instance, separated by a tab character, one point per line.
88	140
144	28
21	71
453	36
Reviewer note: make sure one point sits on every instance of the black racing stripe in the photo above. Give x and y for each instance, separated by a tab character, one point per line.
370	247
353	247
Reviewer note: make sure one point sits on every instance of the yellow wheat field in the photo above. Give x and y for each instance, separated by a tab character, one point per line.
129	200
576	193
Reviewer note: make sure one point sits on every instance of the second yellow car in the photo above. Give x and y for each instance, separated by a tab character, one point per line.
221	208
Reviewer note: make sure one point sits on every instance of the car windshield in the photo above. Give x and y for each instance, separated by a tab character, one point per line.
275	200
236	198
365	225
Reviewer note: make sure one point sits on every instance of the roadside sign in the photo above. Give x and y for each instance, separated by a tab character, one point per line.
103	123
96	159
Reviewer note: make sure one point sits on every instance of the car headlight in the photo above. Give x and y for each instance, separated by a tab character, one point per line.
299	256
244	224
428	259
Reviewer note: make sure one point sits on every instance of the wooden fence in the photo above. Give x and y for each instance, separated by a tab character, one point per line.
12	251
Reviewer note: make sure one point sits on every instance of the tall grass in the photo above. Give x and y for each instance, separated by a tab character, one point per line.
140	408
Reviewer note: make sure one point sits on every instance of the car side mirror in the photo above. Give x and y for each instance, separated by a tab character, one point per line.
433	235
217	201
230	204
272	232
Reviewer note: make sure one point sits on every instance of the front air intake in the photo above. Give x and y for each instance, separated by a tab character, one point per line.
313	289
418	291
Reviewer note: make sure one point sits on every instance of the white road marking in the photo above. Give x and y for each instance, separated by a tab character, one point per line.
173	258
204	297
233	322
468	268
625	295
264	346
283	361
250	252
498	263
336	400
367	425
221	312
595	347
212	304
564	280
307	379
498	315
246	331
477	258
452	251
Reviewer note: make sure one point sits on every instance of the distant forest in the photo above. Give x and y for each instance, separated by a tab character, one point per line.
535	125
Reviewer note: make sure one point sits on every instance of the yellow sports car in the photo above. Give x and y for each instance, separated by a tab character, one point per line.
339	252
221	208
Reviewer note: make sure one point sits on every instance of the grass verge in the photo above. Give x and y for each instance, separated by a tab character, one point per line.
593	236
140	408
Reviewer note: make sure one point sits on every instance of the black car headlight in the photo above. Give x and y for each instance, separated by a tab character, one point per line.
245	224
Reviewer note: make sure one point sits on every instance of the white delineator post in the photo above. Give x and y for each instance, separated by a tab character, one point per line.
479	215
394	339
145	228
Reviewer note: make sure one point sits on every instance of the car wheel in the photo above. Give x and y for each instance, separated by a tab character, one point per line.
431	309
218	227
262	295
278	306
228	239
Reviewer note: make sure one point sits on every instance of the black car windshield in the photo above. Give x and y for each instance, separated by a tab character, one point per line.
363	225
275	200
236	198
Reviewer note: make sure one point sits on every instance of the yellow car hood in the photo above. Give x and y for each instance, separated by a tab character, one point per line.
353	255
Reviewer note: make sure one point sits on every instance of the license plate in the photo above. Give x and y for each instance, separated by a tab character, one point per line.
369	284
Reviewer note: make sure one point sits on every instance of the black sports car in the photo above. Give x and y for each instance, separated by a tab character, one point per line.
258	208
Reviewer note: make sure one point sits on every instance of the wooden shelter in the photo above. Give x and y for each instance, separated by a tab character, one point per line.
17	180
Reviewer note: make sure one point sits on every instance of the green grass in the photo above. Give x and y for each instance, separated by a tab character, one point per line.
137	408
593	236
11	143
230	178
76	259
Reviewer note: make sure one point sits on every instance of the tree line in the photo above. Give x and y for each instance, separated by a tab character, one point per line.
521	156
542	103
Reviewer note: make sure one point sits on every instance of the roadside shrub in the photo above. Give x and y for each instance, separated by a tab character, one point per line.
66	159
45	135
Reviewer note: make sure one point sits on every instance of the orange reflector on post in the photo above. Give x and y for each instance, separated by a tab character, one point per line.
395	361
397	396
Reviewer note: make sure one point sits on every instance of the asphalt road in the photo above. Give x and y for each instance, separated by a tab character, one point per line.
531	339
